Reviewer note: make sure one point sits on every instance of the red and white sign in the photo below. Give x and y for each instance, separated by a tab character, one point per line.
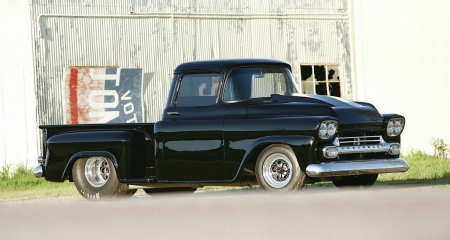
102	95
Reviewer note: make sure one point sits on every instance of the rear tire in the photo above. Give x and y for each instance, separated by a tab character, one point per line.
359	181
95	178
277	170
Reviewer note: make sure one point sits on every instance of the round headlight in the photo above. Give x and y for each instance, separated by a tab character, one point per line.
331	129
323	130
390	128
327	129
397	127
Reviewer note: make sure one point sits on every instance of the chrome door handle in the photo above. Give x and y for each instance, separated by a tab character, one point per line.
173	113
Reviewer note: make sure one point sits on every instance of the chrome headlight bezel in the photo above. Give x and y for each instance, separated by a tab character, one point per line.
395	127
327	129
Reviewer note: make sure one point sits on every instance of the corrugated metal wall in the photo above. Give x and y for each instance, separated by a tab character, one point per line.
55	35
103	34
403	55
401	50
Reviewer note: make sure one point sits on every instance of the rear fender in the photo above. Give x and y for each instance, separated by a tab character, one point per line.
119	146
88	154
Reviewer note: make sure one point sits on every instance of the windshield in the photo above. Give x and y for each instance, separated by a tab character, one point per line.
258	82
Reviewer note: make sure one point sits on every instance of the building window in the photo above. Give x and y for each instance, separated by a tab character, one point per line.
321	79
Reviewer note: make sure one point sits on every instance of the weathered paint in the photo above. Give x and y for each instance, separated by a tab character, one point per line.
161	34
157	42
102	95
400	48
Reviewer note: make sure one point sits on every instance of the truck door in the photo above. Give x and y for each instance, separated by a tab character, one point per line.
192	132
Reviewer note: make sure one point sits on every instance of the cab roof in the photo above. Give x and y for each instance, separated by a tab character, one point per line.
226	64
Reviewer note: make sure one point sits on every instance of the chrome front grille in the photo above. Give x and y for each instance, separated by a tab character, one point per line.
363	144
358	141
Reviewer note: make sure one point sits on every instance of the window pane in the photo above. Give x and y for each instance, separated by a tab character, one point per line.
321	88
258	82
198	90
307	79
319	73
335	89
335	84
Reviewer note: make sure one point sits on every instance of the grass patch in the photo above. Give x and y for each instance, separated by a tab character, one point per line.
423	169
20	182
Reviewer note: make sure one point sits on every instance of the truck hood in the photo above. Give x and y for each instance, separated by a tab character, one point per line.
347	112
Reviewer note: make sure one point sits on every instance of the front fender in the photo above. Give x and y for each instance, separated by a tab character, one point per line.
301	145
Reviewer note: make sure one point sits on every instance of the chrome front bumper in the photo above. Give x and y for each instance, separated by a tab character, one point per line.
357	167
38	171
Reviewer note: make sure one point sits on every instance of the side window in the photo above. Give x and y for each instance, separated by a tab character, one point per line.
321	79
199	89
257	82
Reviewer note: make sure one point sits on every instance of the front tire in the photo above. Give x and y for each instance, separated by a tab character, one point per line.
359	181
277	170
95	178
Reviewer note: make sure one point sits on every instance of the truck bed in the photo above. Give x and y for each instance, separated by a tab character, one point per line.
133	153
52	130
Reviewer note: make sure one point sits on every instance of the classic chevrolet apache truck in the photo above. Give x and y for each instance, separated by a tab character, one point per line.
233	122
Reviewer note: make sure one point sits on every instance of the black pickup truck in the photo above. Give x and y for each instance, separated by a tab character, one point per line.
233	122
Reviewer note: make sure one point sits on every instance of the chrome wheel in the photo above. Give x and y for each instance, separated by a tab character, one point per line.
95	178
277	170
97	171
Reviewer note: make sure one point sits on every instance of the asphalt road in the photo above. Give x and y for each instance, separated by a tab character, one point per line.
322	213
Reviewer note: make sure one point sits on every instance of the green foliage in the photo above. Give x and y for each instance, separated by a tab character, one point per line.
423	169
20	182
18	179
416	154
440	148
5	172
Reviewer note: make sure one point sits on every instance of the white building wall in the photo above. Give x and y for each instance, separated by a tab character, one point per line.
104	34
402	64
48	36
17	96
401	49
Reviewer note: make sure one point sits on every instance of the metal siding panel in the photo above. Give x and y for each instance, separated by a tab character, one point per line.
187	42
157	45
